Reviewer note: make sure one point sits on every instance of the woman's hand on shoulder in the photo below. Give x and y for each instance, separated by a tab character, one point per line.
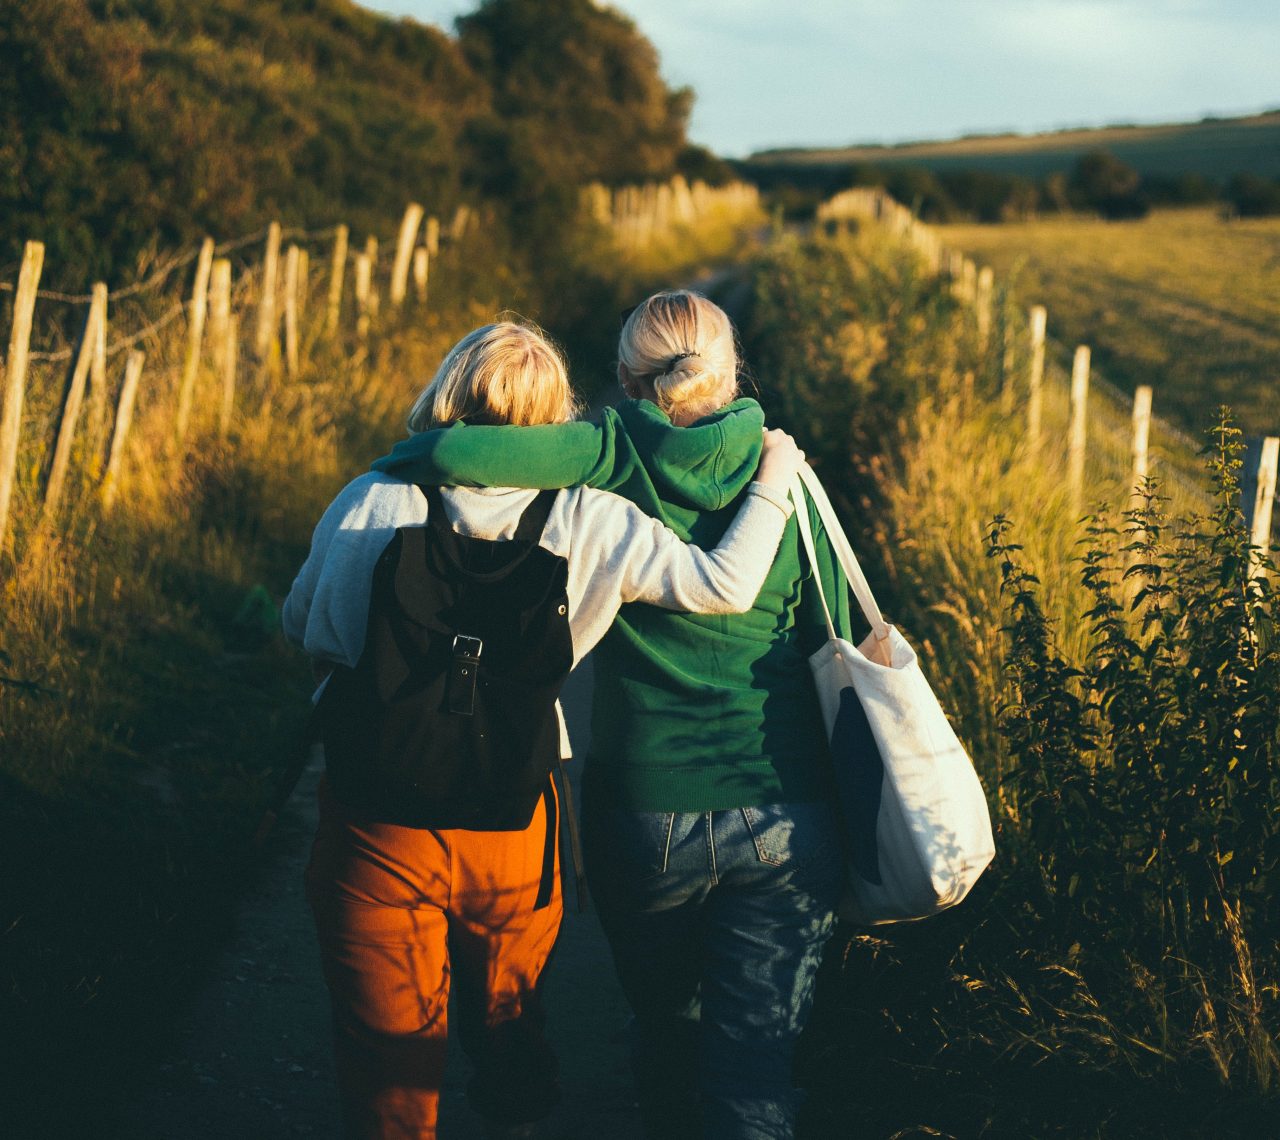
779	460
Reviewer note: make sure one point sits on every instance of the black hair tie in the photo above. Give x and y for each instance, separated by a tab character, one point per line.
671	364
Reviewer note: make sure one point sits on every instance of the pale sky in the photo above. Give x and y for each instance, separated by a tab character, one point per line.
834	72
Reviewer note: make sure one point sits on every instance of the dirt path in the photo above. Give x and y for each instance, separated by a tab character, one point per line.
254	1057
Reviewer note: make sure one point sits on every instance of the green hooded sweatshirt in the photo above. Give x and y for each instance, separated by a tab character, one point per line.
692	713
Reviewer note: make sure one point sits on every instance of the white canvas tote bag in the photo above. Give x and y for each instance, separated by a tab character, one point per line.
915	814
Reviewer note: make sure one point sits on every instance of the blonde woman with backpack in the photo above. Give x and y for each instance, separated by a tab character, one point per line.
443	623
712	851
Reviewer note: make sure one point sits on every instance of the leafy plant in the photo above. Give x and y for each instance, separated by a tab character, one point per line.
1145	781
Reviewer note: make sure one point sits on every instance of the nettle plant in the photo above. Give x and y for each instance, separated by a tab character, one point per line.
1144	790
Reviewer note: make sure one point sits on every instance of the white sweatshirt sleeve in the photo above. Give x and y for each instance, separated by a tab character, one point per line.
616	554
326	612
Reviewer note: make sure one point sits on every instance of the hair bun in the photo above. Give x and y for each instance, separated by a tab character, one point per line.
656	344
674	365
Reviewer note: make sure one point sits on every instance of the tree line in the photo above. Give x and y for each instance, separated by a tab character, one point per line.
128	126
1098	183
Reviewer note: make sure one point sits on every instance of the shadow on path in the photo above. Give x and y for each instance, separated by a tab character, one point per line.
254	1055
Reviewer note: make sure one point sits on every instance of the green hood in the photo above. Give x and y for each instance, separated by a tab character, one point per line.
707	464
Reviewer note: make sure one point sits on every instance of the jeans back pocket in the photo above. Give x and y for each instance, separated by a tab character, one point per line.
791	835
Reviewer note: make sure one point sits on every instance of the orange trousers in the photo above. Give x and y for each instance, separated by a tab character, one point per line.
404	913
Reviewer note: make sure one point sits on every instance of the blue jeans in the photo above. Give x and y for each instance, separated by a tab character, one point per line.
716	921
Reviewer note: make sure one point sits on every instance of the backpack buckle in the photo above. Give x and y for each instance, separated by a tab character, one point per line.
469	647
462	674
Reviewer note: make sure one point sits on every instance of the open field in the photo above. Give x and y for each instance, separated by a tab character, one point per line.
1216	148
1182	301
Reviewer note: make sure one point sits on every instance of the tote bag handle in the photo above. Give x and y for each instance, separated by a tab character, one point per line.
806	479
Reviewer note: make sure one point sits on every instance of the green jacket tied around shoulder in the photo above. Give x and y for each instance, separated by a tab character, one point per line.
691	713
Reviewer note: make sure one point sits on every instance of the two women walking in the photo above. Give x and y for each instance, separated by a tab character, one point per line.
446	597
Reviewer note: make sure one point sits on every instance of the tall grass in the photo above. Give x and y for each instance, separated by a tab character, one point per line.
1061	999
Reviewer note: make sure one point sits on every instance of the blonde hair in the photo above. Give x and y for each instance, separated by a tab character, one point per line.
504	373
683	344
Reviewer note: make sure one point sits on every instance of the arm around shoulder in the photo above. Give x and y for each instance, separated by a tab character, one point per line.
546	457
641	560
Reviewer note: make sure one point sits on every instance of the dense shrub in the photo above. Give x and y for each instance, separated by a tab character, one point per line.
130	122
1101	182
990	197
842	338
1190	188
1253	196
697	162
575	97
1145	780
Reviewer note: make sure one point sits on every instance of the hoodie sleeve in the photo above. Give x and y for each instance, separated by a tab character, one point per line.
617	554
327	610
547	457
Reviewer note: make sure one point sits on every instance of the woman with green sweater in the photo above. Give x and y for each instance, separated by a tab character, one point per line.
712	852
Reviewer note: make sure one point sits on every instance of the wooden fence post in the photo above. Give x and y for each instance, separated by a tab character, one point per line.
98	380
219	308
124	417
968	282
24	309
462	216
304	281
229	353
267	302
71	409
364	273
1038	318
1260	535
1079	424
433	236
420	267
986	280
291	311
199	307
335	279
371	251
1141	435
404	251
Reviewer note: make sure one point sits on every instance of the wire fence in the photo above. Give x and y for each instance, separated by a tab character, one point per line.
1108	440
194	369
178	261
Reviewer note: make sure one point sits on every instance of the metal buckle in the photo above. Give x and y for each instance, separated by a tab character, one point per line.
471	646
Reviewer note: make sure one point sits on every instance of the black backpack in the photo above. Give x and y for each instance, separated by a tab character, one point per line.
448	719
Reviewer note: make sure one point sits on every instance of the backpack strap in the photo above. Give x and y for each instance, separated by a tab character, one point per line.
547	883
533	521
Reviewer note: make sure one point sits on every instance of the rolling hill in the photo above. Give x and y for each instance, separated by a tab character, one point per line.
1215	148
